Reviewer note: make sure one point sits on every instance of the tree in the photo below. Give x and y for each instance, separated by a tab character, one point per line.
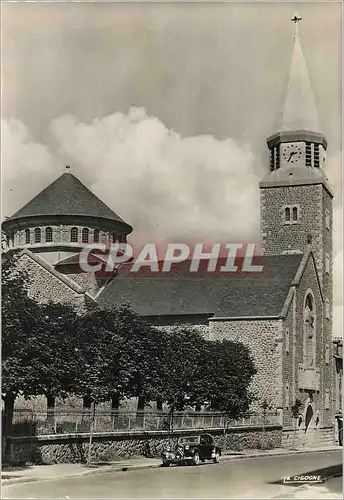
19	316
224	373
37	342
51	351
142	353
180	355
4	244
100	360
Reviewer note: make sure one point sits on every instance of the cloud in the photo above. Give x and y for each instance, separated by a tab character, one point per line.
334	173
165	185
27	166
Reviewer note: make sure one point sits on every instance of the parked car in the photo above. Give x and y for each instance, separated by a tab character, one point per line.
192	450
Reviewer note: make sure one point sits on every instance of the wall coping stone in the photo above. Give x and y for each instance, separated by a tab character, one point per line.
288	429
244	318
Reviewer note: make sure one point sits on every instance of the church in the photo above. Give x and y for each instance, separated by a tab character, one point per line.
283	315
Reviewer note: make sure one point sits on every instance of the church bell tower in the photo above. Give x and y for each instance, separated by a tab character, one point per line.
296	200
296	216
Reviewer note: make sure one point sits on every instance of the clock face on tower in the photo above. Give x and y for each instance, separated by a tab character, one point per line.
292	153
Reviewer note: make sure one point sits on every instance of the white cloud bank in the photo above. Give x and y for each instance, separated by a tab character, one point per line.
166	186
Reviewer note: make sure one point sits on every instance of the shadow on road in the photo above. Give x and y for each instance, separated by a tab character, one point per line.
325	473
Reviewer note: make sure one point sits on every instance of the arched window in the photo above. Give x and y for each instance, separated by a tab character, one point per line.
48	234
287	214
309	239
309	331
27	236
38	235
294	213
85	234
96	234
74	234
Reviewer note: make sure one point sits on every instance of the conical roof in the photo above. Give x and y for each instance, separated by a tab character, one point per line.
300	109
67	195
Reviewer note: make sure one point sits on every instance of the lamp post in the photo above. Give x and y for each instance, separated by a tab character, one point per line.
265	406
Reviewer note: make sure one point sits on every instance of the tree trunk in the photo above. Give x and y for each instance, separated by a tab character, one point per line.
140	413
141	402
115	401
159	405
215	405
8	414
86	407
51	411
198	407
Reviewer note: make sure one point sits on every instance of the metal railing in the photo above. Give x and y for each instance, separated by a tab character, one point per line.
30	423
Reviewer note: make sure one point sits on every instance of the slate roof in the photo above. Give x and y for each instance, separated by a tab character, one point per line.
232	295
67	195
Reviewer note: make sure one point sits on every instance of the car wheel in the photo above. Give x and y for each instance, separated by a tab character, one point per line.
216	459
166	464
196	458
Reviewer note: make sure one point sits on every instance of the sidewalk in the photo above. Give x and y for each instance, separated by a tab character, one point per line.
26	474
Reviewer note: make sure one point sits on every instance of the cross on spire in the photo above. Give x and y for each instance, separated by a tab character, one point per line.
296	19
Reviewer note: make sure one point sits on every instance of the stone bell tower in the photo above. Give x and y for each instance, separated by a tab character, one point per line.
296	207
296	200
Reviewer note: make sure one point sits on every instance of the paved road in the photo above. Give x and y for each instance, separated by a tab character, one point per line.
249	478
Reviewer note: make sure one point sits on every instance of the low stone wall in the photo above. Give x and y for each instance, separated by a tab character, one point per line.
73	448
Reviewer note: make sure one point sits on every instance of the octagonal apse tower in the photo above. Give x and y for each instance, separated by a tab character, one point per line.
62	219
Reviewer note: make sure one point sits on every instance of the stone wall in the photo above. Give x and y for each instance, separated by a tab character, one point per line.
288	356
45	287
73	448
88	281
279	236
202	329
262	337
317	398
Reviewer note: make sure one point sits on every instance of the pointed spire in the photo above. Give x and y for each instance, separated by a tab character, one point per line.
300	109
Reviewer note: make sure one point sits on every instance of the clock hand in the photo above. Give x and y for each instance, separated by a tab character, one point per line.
291	155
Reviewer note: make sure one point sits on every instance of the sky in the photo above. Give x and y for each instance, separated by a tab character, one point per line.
162	109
